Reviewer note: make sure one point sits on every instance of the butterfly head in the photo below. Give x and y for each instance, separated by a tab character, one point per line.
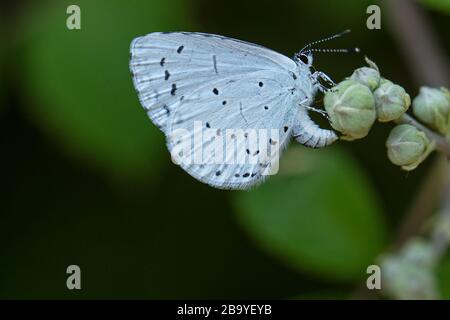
304	58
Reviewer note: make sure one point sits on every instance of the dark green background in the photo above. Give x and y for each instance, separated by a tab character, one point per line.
87	180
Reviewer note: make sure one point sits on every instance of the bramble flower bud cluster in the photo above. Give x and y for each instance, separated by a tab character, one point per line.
354	104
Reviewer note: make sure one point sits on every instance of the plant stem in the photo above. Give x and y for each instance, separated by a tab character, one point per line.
440	235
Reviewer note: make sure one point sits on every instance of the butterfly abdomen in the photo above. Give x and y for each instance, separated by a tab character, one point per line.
309	134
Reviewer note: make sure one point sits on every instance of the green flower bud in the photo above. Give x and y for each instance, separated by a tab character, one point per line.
391	101
384	80
408	147
367	76
351	108
432	106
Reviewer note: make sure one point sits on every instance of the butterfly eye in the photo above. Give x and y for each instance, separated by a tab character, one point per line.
303	58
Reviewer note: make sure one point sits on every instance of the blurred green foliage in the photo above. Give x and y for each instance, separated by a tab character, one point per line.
443	274
348	14
306	232
440	5
2	72
324	219
80	85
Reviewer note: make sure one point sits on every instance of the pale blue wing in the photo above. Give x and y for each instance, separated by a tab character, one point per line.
224	84
166	63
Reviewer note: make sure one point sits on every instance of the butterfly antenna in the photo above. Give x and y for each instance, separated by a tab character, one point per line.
334	36
346	50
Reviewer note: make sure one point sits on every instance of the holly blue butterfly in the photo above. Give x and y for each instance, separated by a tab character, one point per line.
227	107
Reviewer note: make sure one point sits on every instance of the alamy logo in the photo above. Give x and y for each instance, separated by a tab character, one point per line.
74	279
374	20
73	21
205	145
374	280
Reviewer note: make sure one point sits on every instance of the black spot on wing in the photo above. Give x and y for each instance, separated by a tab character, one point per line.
293	76
180	48
215	64
163	60
174	89
166	75
215	91
167	109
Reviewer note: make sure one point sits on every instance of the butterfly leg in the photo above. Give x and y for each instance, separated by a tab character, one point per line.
304	103
319	111
319	75
324	77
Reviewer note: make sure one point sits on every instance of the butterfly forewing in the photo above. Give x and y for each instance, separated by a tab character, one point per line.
207	86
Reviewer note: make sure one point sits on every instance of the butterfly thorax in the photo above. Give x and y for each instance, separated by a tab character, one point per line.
307	132
304	84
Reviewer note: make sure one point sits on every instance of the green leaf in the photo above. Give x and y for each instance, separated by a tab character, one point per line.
81	88
439	5
443	275
321	216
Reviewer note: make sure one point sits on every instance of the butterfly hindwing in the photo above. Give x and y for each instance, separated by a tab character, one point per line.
249	123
